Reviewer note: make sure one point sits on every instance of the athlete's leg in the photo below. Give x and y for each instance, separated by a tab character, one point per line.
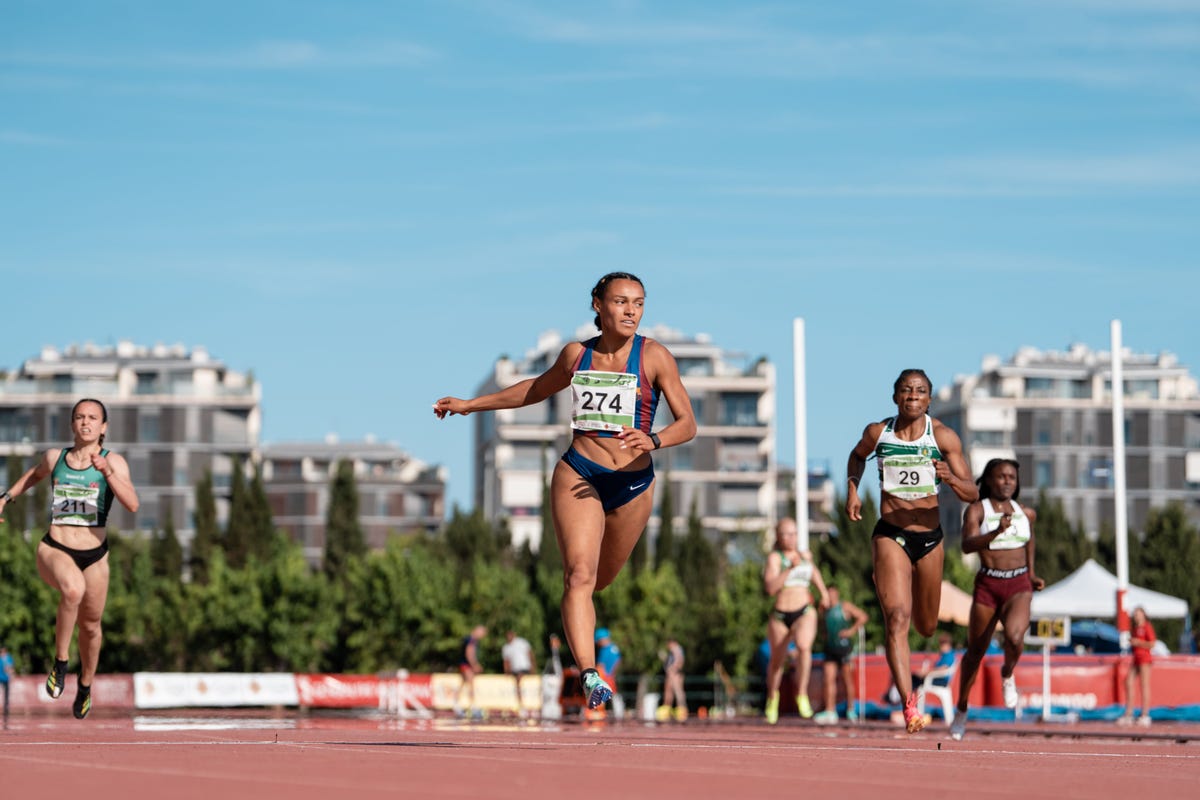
91	610
893	586
777	635
927	590
579	526
1144	676
829	673
1016	621
59	572
851	681
623	526
979	634
804	633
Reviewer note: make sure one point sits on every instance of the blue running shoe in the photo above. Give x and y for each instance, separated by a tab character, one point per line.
595	689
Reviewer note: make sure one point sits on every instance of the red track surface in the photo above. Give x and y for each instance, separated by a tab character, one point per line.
218	756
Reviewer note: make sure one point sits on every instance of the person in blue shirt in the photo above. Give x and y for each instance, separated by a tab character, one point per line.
6	671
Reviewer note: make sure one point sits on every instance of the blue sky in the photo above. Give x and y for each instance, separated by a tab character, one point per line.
366	203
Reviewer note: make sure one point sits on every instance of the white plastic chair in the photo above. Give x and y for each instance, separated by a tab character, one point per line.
943	694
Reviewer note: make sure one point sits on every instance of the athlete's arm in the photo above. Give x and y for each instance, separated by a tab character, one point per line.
952	469
973	538
664	372
1031	550
855	466
32	476
820	583
116	472
523	393
773	574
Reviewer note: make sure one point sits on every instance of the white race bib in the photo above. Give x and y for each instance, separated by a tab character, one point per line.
909	477
603	401
75	505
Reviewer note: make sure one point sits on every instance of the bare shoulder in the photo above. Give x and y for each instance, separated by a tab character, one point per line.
50	457
1029	512
945	435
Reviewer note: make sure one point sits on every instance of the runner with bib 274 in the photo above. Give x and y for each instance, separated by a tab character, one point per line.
916	454
602	491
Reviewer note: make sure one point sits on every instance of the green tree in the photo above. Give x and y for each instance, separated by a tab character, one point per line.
301	622
27	605
699	567
207	533
745	610
1061	548
641	611
262	525
239	528
16	512
549	556
1169	561
344	538
166	554
226	620
664	546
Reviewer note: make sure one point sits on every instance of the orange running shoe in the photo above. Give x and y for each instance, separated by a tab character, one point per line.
914	720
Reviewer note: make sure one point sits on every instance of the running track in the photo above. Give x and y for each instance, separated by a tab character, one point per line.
217	756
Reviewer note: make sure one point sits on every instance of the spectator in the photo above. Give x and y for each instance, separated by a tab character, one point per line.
1142	639
518	662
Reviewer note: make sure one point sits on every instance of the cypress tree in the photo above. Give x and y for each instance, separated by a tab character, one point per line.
344	538
664	547
240	526
16	512
207	533
166	555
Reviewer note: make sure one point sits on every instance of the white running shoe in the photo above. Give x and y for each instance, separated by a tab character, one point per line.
959	726
1011	697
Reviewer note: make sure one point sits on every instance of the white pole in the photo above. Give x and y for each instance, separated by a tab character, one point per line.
801	413
1119	520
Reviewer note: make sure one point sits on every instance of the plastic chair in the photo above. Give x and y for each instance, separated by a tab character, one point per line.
943	694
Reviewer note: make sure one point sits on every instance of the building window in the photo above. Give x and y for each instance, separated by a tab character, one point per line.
694	366
739	408
147	383
1042	473
148	425
988	439
1100	473
526	455
681	457
737	500
741	455
1039	387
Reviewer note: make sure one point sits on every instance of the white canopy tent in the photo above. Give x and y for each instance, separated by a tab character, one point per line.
1091	591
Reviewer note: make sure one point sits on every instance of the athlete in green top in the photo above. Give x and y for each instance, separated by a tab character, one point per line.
73	555
916	454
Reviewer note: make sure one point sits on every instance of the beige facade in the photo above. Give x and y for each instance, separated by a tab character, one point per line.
1052	412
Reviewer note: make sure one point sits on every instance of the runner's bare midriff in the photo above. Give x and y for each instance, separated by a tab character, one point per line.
911	515
607	452
78	537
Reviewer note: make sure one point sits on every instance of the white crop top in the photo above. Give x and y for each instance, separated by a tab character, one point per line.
1016	536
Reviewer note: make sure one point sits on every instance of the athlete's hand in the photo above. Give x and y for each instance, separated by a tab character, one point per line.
450	405
1038	583
635	439
101	463
1005	523
944	473
853	507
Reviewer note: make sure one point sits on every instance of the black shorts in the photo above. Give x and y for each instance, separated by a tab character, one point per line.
82	558
917	544
788	618
838	656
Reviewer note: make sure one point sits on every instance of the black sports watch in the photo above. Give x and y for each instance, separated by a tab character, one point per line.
657	442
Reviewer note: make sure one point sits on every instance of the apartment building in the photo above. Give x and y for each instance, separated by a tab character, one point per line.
728	470
396	492
1052	412
173	413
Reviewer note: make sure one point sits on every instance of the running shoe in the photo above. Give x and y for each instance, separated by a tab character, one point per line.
804	706
1009	685
852	713
914	720
56	681
597	691
1125	719
1144	720
827	717
959	726
83	701
772	710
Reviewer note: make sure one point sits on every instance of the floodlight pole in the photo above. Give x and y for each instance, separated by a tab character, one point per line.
1119	500
800	407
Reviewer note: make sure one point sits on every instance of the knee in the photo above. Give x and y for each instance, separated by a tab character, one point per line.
1014	640
926	627
89	627
72	594
579	578
898	621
